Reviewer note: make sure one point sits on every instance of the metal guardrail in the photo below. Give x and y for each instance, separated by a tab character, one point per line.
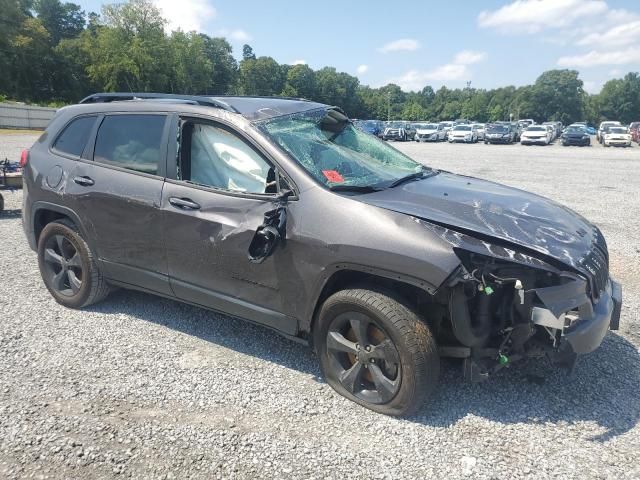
25	116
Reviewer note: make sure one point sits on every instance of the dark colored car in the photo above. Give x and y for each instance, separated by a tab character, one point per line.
500	133
399	131
576	136
283	213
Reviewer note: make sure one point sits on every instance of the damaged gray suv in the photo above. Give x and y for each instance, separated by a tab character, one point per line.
282	213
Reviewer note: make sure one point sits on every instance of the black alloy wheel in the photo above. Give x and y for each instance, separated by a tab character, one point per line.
376	351
63	265
67	266
363	358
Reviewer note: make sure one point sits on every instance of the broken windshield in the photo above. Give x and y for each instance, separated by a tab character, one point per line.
336	153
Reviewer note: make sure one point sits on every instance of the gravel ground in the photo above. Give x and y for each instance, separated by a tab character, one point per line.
143	387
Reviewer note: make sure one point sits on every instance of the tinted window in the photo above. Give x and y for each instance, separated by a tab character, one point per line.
74	138
130	141
215	157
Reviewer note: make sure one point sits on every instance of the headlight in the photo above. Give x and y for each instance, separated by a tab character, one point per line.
585	137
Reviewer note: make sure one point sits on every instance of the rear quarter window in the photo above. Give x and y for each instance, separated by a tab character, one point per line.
130	141
74	137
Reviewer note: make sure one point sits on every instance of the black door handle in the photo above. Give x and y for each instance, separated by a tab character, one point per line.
184	203
84	181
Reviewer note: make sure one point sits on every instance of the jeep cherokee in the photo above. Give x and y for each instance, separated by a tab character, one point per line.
282	213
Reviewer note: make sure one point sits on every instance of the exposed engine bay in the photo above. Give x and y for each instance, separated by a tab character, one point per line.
502	310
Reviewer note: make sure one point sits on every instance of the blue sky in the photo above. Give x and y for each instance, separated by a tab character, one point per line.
490	43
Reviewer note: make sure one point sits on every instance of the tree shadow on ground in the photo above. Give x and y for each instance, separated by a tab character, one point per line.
603	389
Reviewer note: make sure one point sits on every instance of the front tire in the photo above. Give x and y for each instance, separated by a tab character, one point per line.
376	351
68	267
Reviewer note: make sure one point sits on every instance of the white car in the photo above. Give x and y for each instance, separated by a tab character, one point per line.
536	135
463	133
480	129
430	132
603	126
617	136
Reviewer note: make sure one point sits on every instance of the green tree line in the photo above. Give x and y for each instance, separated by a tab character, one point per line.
52	52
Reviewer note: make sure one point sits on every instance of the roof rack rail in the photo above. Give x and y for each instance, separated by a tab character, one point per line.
124	96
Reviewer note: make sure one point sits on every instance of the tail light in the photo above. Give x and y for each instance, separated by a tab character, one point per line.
24	158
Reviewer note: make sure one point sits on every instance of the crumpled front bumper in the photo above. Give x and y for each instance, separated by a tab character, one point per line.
589	331
585	333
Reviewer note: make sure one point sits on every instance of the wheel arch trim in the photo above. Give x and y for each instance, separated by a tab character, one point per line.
67	212
333	271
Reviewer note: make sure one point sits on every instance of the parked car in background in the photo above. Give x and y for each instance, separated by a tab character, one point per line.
575	135
374	127
590	129
603	126
480	129
525	122
617	137
429	132
447	126
399	131
536	135
634	130
499	133
463	133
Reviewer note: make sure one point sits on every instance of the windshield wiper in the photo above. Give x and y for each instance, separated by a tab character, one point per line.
354	188
424	173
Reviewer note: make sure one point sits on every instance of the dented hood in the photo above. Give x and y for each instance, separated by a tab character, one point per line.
490	209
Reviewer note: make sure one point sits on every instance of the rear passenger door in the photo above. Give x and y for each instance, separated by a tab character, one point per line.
117	190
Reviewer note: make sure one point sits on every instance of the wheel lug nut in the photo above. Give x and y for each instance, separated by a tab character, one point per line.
357	346
371	360
368	348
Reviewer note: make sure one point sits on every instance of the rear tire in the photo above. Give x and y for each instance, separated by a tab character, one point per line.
68	267
376	351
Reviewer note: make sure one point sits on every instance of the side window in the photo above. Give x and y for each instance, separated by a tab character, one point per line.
215	157
74	137
130	141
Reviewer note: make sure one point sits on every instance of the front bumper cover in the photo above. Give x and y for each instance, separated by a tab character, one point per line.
594	319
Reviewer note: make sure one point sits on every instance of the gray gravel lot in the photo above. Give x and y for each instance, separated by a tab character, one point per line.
144	387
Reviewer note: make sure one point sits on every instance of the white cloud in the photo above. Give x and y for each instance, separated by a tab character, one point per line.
403	44
468	57
187	15
456	70
415	80
596	58
362	69
616	72
530	16
237	35
617	36
298	62
240	35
